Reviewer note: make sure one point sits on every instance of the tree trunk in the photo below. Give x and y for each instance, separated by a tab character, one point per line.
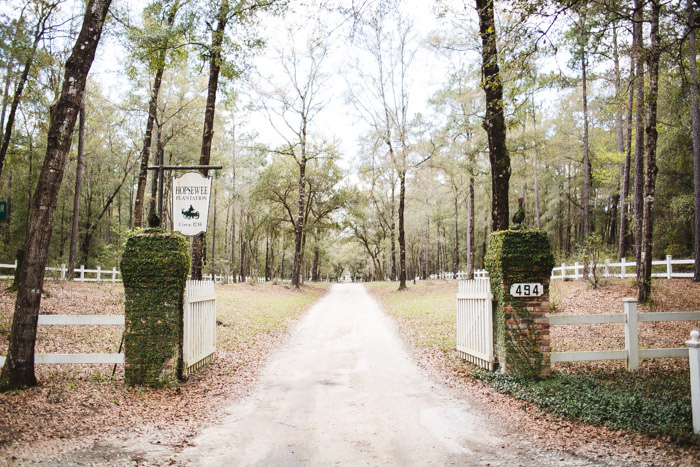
299	224
637	47
438	265
159	160
695	111
393	230
470	228
538	214
625	190
314	270
494	121
267	258
76	196
241	241
233	242
5	95
651	139
402	230
18	370
146	149
585	193
455	250
217	39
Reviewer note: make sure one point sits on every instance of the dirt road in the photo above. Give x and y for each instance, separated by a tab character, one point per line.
344	390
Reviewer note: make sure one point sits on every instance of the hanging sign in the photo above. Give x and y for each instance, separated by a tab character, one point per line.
526	290
3	211
191	194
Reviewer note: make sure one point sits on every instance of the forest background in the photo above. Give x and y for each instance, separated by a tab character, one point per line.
336	123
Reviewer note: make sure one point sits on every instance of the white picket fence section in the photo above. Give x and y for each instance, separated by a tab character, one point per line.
99	274
475	323
81	274
78	358
623	269
461	275
630	318
199	339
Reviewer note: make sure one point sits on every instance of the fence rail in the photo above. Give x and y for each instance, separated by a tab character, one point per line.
630	318
78	358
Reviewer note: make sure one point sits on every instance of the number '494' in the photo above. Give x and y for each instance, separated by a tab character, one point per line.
526	290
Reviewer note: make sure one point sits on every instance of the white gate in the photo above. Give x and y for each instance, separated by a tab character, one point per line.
475	323
199	338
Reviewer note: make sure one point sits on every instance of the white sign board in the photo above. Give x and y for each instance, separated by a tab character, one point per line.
526	290
191	194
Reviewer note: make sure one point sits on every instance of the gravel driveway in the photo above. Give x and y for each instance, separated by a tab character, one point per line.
345	391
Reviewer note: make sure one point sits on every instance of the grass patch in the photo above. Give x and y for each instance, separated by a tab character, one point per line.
245	311
426	311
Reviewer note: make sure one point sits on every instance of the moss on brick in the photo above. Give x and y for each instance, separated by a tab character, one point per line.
524	256
154	268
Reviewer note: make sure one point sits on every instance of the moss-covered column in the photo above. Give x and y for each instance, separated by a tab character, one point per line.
521	324
154	268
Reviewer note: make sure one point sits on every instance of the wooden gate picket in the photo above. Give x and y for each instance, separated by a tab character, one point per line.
475	323
199	338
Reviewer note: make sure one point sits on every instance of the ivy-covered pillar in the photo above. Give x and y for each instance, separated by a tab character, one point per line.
520	263
154	269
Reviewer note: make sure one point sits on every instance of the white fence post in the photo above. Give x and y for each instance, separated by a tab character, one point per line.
623	273
694	360
63	272
99	273
607	268
576	270
114	274
629	306
669	267
82	273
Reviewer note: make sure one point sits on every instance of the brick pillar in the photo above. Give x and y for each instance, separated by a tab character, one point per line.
521	324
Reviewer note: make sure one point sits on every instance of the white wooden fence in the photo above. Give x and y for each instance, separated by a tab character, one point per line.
199	339
98	274
664	269
461	275
78	358
199	333
623	269
630	318
81	274
475	323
